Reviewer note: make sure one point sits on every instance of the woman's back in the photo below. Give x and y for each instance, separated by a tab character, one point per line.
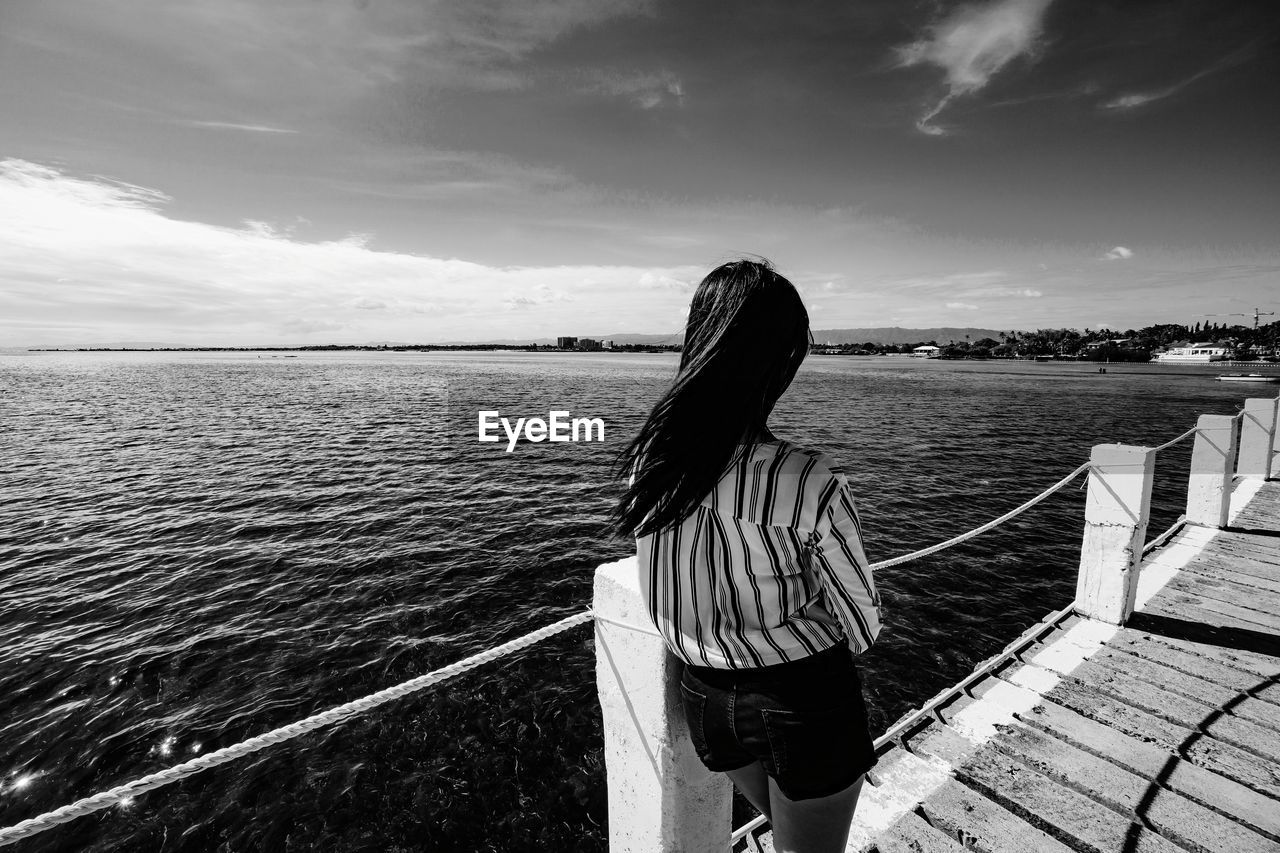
768	568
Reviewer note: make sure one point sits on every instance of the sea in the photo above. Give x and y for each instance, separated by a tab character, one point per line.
198	547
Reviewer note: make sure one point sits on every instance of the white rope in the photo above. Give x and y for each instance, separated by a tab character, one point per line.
995	522
88	805
1172	442
122	793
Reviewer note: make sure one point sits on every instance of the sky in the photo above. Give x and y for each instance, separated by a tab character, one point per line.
355	171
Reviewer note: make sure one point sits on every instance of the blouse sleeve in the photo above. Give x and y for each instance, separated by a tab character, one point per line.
845	573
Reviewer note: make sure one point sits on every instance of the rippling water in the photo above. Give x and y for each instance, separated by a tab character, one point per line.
197	547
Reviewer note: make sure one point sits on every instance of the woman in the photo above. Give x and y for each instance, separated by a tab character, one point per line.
752	564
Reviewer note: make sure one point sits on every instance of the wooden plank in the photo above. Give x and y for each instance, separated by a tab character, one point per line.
1261	512
1234	535
913	834
1213	696
1223	758
1202	663
1256	663
1047	805
1203	618
1248	736
1262	554
1245	557
1159	763
1220	570
1174	599
1174	816
1250	598
981	824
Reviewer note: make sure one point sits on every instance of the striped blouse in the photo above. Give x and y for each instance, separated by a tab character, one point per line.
769	568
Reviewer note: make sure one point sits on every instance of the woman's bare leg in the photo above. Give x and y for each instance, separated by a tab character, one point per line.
754	785
819	825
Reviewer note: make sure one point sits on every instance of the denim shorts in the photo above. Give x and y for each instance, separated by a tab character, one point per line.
804	721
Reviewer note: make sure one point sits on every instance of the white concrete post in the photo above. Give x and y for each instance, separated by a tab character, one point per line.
1275	445
661	798
1212	461
1257	438
1115	515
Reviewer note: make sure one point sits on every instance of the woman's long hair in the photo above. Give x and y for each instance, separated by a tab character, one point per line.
747	333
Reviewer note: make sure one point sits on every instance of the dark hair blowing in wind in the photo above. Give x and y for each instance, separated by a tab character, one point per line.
746	336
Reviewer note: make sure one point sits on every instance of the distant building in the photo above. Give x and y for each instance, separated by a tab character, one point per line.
567	343
589	345
926	351
607	344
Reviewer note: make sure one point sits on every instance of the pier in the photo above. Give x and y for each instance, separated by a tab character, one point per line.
1142	716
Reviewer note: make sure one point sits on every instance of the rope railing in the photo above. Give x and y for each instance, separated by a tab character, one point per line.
977	531
125	793
1173	441
899	731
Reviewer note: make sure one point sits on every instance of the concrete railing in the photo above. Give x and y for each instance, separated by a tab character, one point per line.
661	798
1119	500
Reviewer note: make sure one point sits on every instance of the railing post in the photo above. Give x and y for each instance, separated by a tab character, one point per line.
1257	437
661	798
1212	458
1115	514
1275	445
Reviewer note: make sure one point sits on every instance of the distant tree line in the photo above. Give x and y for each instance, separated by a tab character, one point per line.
1243	343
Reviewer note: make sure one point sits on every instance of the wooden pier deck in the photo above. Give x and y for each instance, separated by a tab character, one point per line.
1162	735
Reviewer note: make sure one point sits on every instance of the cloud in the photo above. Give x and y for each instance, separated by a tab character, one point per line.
1001	292
972	44
950	281
88	258
540	294
646	90
1128	102
228	125
667	282
1119	253
962	306
1137	99
299	56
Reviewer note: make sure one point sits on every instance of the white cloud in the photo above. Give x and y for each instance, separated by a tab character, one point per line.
1138	99
229	125
647	90
951	281
539	294
1127	102
1119	253
962	306
85	259
315	53
1001	292
972	44
660	281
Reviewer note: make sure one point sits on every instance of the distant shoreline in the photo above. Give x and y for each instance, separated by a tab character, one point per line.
374	348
